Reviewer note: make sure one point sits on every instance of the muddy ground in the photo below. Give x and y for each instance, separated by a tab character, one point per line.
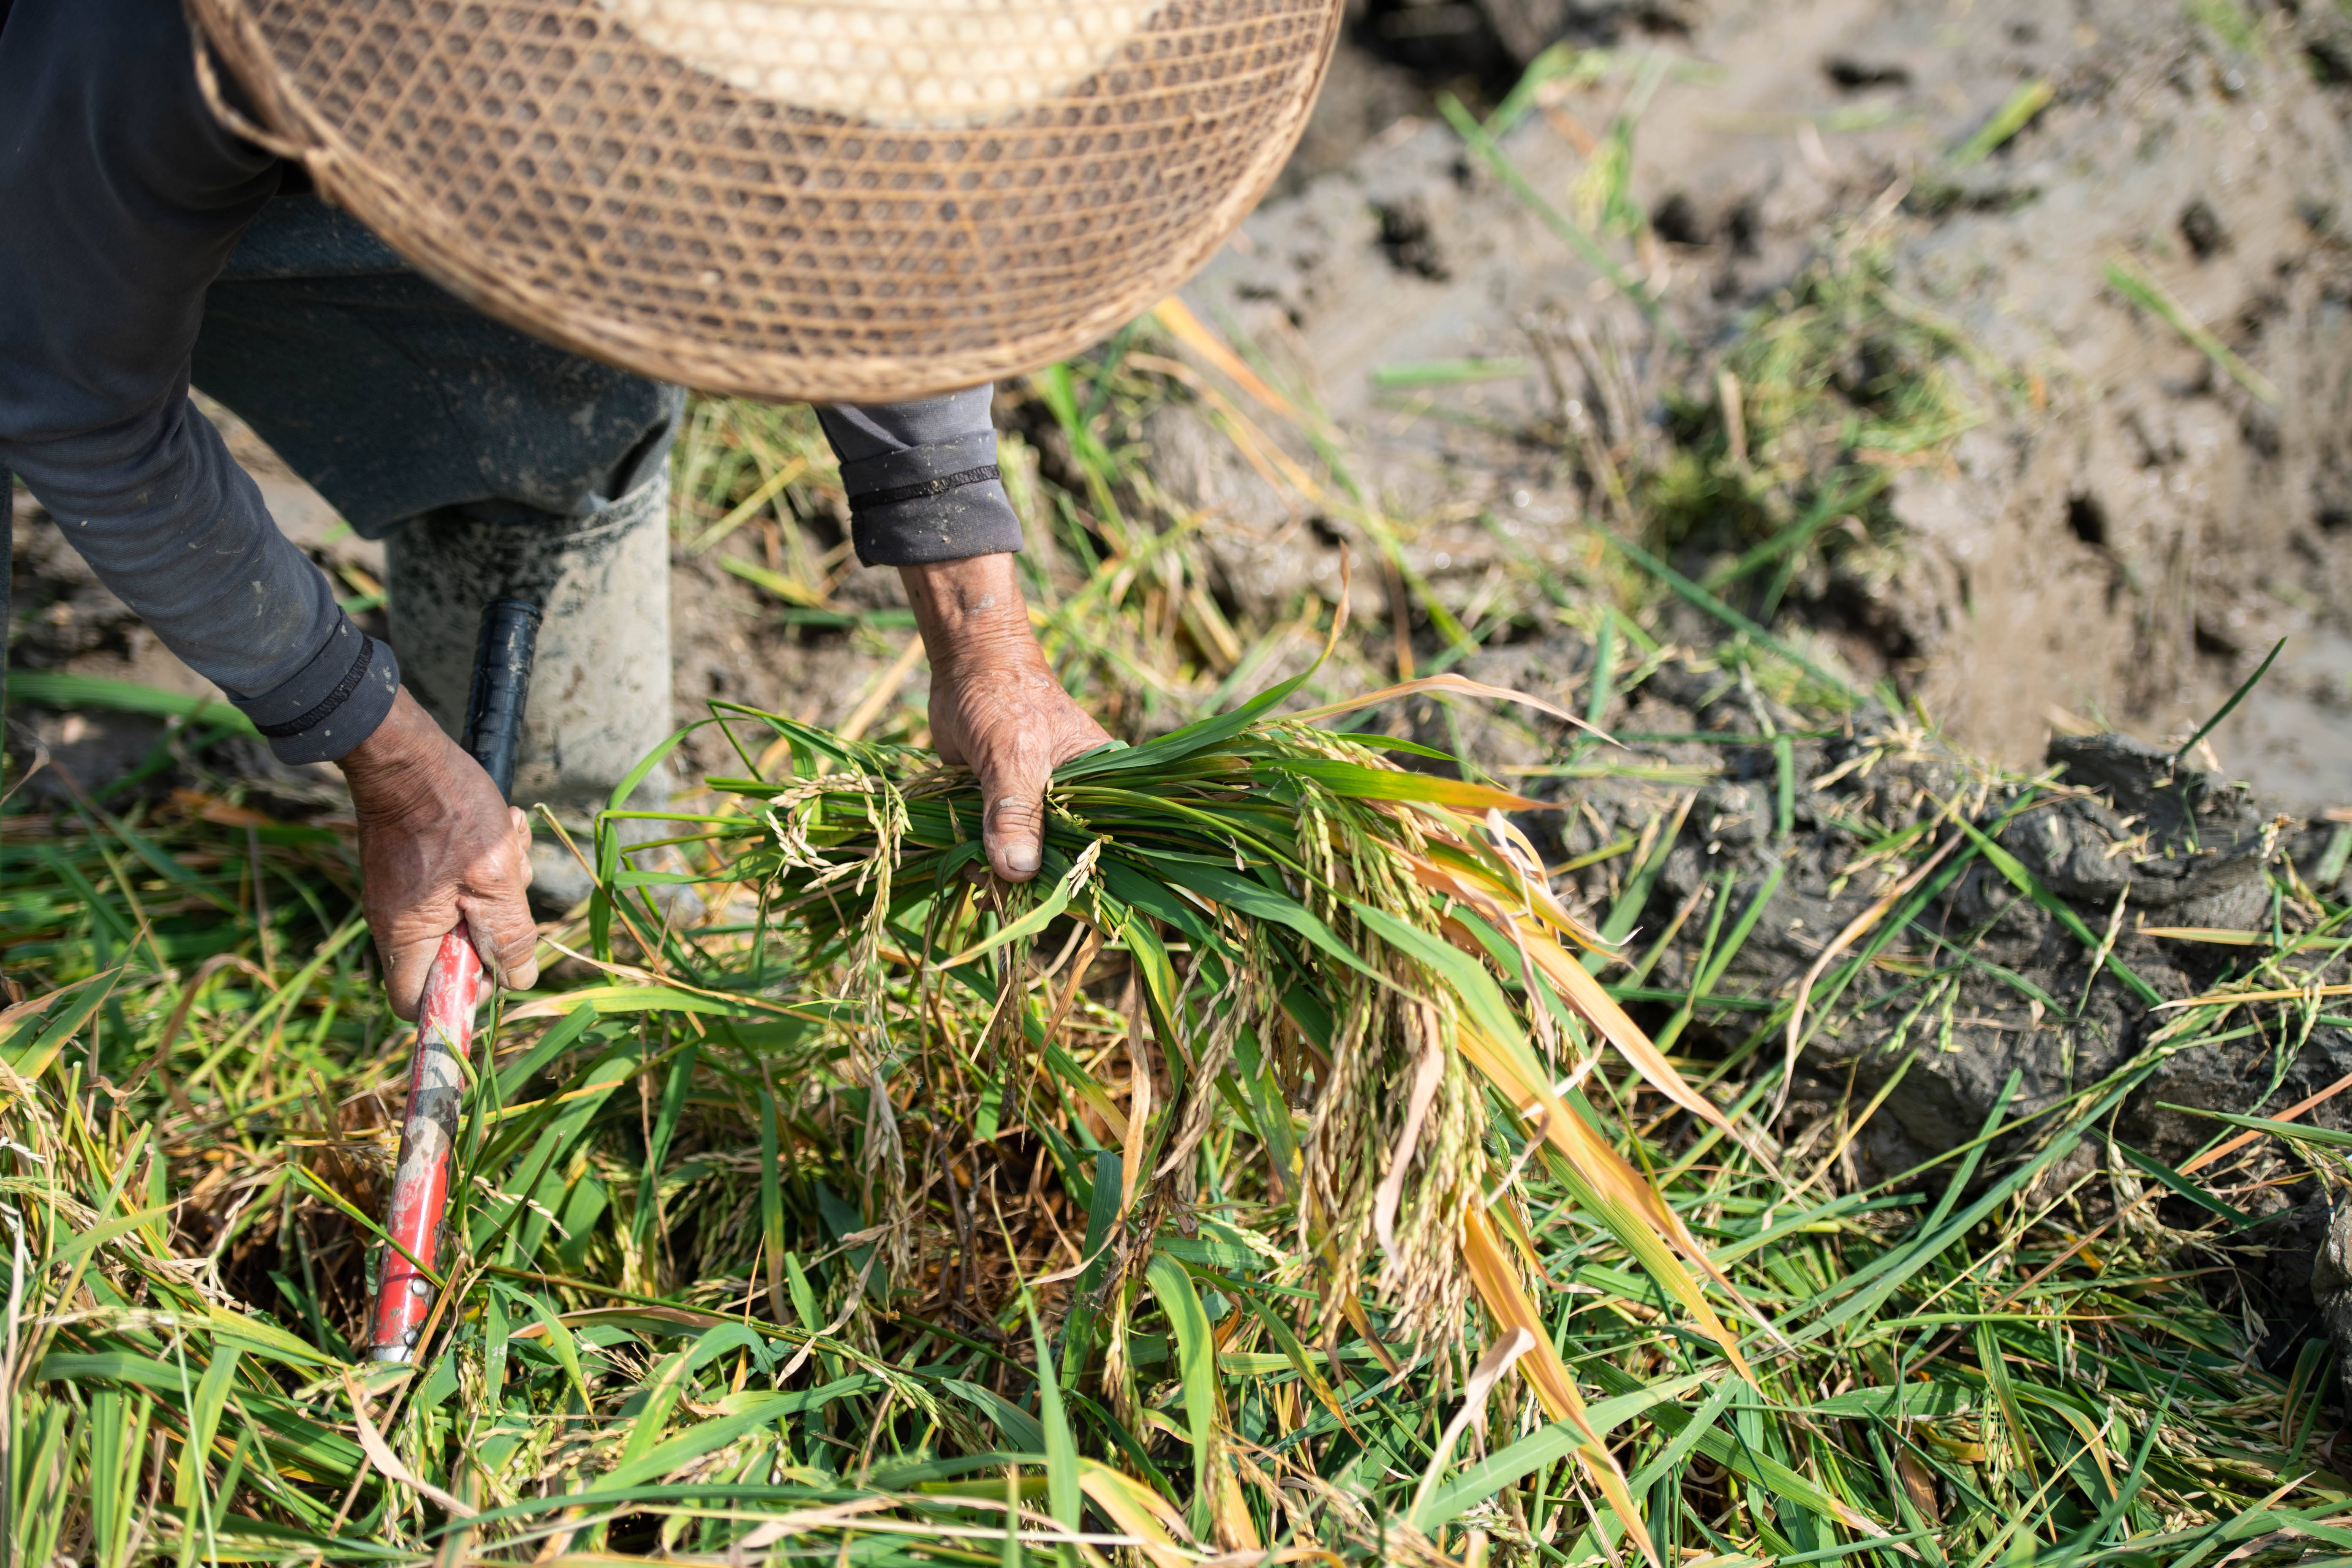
2120	531
2116	534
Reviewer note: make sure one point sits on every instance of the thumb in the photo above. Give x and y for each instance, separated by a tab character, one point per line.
1012	814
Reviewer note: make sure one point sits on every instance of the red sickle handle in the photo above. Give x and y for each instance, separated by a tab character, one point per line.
444	1025
428	1139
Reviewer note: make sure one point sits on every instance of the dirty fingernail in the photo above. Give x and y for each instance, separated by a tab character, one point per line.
1021	858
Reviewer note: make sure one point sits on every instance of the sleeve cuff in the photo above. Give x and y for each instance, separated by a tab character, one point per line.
332	703
942	501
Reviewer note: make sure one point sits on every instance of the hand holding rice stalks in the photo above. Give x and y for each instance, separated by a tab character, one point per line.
1306	925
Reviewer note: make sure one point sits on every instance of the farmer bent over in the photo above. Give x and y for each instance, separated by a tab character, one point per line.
386	232
637	177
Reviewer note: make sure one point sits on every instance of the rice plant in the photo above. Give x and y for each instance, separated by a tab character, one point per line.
1271	1180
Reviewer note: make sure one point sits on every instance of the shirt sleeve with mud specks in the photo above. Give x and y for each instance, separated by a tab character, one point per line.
123	198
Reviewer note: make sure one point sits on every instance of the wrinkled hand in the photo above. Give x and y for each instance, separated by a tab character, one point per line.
995	705
436	844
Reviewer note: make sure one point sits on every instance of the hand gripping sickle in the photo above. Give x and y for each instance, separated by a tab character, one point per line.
444	1028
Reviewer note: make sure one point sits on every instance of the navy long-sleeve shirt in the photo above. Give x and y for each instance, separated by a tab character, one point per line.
123	199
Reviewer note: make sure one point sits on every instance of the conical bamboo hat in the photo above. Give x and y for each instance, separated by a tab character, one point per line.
831	200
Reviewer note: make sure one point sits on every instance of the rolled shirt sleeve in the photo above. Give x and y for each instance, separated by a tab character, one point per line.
124	198
922	479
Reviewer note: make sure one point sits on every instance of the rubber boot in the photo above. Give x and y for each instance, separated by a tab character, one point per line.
600	689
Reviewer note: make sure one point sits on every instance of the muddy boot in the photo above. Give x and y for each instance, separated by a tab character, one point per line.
599	691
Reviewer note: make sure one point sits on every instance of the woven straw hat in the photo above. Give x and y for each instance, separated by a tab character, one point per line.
829	200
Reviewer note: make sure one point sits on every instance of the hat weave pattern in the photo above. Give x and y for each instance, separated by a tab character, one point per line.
830	200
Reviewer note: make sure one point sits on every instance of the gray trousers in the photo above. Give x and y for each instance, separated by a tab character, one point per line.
491	464
146	248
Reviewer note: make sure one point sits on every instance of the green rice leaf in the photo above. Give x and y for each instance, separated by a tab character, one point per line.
566	1350
32	1060
1247	896
1062	1495
2194	1191
1196	1356
111	1366
204	1415
1047	910
1358	783
2292	1131
1154	756
1480	996
1547	1446
1022	1430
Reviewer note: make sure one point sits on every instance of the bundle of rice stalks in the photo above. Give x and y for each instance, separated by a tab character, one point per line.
1365	964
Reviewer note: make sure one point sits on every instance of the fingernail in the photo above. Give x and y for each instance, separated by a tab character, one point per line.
1021	859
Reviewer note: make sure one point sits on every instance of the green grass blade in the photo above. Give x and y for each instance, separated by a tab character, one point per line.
2193	1191
1021	1429
2223	712
1548	1446
1064	1497
565	1348
2013	871
1196	1355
